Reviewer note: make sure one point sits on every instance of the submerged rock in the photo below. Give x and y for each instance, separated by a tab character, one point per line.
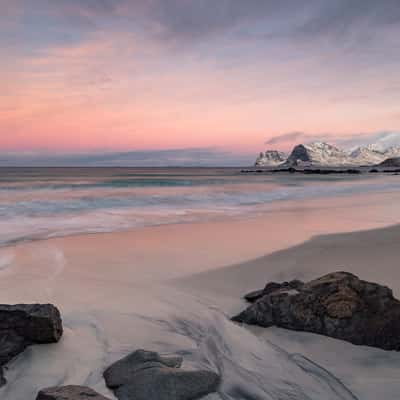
145	375
23	325
69	393
339	305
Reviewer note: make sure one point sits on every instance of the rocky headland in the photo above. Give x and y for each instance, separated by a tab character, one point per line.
325	155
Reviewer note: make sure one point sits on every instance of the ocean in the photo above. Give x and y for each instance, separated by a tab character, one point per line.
39	203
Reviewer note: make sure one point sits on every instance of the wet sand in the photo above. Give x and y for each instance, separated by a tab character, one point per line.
169	289
372	255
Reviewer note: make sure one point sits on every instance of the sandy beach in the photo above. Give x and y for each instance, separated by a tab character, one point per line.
172	289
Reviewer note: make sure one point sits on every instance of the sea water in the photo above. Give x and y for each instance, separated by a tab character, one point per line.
41	203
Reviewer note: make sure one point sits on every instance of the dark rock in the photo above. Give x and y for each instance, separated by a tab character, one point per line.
299	153
391	171
391	162
23	325
271	287
121	371
145	375
318	171
69	393
307	171
339	305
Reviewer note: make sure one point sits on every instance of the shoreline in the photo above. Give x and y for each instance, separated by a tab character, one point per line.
101	204
173	288
351	251
278	207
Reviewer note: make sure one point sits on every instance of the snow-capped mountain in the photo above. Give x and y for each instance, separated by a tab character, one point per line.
318	153
270	158
324	155
367	155
392	152
373	154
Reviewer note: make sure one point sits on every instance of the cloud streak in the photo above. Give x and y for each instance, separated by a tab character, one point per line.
383	139
189	157
193	20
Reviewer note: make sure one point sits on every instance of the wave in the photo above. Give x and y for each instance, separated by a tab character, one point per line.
119	183
32	216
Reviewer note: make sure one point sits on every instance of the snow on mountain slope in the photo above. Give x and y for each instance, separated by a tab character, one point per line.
325	154
373	154
367	155
270	158
318	153
392	152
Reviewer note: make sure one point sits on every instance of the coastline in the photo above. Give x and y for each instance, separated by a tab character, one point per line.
174	287
369	253
379	205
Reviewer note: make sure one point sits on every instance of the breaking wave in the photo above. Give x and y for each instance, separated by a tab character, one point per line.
43	206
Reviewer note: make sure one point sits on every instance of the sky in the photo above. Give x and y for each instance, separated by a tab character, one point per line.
211	81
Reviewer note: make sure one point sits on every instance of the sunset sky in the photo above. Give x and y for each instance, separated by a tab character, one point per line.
222	77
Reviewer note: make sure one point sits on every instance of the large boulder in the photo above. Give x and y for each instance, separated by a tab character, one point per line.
145	375
339	305
69	393
23	325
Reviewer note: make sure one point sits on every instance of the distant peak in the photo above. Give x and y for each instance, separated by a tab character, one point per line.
271	158
325	154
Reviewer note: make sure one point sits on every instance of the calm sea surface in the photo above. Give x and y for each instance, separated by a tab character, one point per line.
43	202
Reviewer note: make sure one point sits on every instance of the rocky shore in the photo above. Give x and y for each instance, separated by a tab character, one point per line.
321	171
23	325
144	375
339	305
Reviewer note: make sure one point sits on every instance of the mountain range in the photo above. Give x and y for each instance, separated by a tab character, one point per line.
324	154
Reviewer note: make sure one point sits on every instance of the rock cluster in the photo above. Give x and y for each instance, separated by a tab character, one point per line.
339	305
145	375
308	171
23	325
142	375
